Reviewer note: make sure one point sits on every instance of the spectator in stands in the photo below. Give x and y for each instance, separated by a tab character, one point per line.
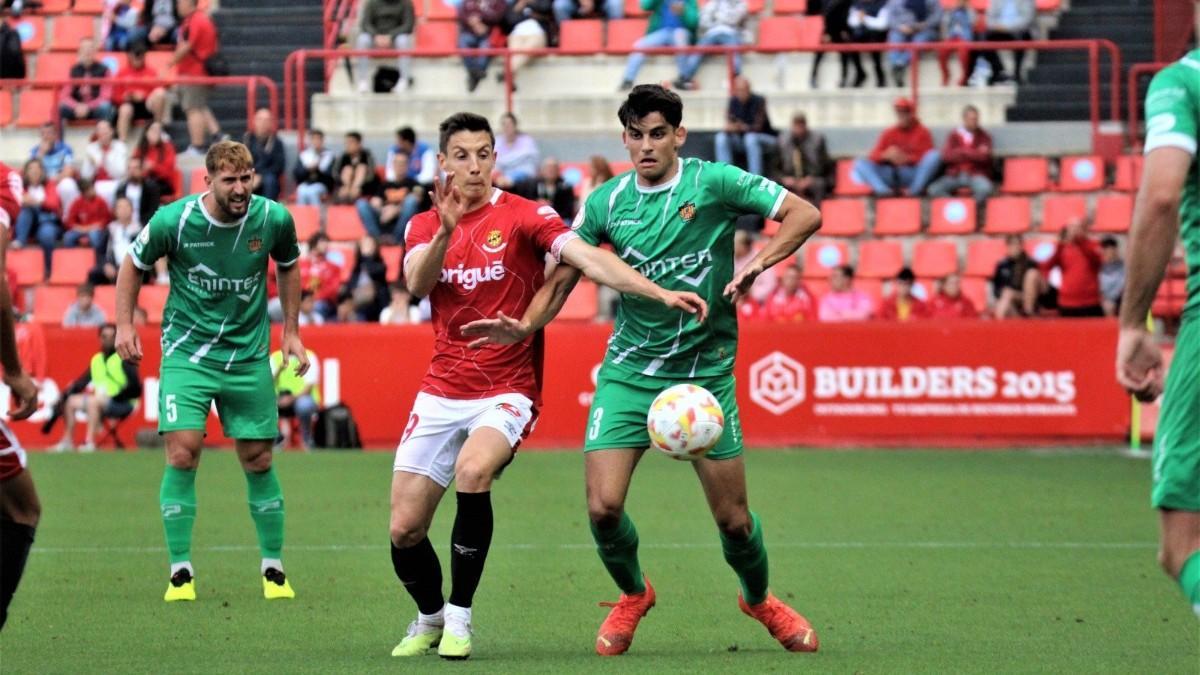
104	160
367	288
1112	276
298	396
197	43
565	10
55	155
476	20
385	24
748	128
355	170
386	214
320	275
528	24
601	172
548	187
722	22
41	212
158	158
109	388
1007	20
903	158
968	159
137	102
159	23
949	302
902	305
400	310
12	59
807	169
1079	260
314	170
869	25
267	151
517	154
422	157
1018	284
87	221
118	21
121	232
144	195
790	302
86	102
672	24
743	252
837	31
958	25
308	315
911	21
843	302
83	313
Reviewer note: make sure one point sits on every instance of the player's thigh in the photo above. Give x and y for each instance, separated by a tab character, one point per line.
246	403
433	436
185	395
18	497
608	473
183	448
414	500
724	389
724	484
499	426
1176	459
254	455
1180	539
617	417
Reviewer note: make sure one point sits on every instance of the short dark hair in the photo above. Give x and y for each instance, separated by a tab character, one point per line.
107	326
316	132
305	294
1108	242
355	135
407	134
85	289
317	238
848	270
138	48
463	121
651	98
906	274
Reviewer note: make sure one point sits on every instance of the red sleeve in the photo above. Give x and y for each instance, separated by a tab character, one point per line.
887	310
52	203
545	228
887	138
922	143
1054	261
954	151
203	38
982	150
65	98
1091	251
419	233
810	308
70	221
331	281
966	308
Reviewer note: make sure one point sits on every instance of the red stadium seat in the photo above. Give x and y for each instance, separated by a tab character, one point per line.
811	31
437	35
1114	212
821	256
952	215
54	65
582	304
780	32
50	303
576	174
1170	299
581	36
1007	215
843	217
70	266
52	7
771	228
1058	210
978	291
28	264
633	8
6	107
344	254
983	255
153	299
847	184
35	107
393	257
935	258
32	31
158	61
1081	174
196	181
88	7
69	31
791	6
897	217
1025	175
343	224
879	259
874	290
1129	173
105	298
619	168
1041	249
308	220
440	10
1048	5
622	33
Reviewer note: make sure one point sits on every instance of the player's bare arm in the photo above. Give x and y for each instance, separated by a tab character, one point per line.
424	267
14	376
799	220
604	267
129	284
289	297
545	305
1151	241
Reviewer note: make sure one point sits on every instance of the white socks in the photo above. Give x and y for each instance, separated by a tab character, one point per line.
268	563
185	565
458	620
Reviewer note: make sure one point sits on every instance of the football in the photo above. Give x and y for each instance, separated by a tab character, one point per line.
685	421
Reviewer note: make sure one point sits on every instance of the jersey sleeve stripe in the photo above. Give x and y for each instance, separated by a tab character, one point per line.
559	242
413	251
288	263
1171	140
778	204
137	262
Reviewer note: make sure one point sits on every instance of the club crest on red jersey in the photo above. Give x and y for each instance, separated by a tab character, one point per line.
495	242
687	212
254	244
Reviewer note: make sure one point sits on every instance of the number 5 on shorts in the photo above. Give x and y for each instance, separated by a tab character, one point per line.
172	411
594	430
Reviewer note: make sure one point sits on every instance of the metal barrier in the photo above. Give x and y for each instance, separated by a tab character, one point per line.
295	85
1136	72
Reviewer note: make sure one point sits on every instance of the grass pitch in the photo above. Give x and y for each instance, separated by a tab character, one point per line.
904	561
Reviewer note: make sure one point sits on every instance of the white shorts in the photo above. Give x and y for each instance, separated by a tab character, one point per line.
438	427
12	455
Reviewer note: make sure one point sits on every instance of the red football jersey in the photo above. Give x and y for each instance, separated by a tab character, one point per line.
495	262
11	188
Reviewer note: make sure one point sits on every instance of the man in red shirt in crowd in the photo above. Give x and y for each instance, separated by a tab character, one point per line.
320	275
197	42
968	160
903	158
902	305
790	302
950	303
89	217
136	101
1078	257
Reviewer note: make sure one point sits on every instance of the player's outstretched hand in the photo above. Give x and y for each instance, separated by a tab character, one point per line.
293	348
502	330
26	394
449	201
688	302
1139	364
129	345
743	280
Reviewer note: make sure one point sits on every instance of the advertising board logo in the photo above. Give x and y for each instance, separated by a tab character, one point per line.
777	383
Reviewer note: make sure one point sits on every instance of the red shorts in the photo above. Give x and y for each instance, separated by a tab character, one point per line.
12	455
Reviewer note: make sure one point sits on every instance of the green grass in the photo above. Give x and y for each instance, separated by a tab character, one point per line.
904	561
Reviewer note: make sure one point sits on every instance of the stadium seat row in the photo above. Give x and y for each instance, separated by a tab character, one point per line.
1031	175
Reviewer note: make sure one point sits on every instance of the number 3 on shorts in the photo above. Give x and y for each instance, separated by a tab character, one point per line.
594	430
172	411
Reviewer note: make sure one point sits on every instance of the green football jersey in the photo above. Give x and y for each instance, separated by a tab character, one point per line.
680	236
216	313
1173	120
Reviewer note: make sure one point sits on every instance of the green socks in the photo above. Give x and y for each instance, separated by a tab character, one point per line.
266	508
1189	580
177	499
748	557
618	551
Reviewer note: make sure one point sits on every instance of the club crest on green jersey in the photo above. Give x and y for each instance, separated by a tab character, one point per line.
687	212
255	244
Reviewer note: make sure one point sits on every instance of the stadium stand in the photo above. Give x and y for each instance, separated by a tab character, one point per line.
982	257
879	259
952	215
821	256
897	217
1114	212
1007	215
843	217
935	258
1060	209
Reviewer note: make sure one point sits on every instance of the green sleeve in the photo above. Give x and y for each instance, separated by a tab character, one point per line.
743	192
591	220
285	251
1172	110
691	15
154	241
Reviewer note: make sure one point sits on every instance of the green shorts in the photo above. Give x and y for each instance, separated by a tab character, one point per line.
1177	438
245	398
617	418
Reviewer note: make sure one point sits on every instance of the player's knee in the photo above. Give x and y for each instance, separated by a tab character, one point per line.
182	457
258	462
473	476
605	513
735	524
406	535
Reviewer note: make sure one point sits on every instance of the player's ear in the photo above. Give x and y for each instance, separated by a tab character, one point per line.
680	136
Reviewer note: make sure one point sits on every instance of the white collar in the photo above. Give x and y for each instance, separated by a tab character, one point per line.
665	186
216	223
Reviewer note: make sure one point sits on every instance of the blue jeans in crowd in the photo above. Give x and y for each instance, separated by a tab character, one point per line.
469	40
713	38
901	59
306	410
565	9
45	226
750	143
310	194
371	223
886	179
663	37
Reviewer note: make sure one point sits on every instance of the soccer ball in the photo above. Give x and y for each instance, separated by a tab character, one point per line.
685	421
